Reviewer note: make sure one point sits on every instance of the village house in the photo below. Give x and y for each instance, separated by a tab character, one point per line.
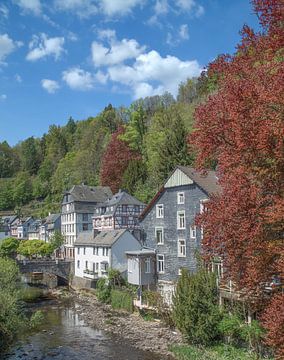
34	230
50	224
23	227
97	252
77	209
121	211
6	222
169	229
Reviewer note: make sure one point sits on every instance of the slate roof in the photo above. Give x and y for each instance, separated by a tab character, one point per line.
50	219
90	193
9	219
104	238
208	182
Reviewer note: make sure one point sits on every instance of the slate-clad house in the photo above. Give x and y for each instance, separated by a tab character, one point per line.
168	223
52	223
6	223
95	253
77	209
122	211
23	227
34	230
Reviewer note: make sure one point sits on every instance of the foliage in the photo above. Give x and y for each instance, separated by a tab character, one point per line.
115	161
115	278
103	290
36	319
56	239
241	127
8	247
155	300
230	327
195	309
218	352
30	294
31	248
122	299
9	160
273	322
11	320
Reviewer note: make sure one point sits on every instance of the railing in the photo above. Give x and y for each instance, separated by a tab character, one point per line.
90	274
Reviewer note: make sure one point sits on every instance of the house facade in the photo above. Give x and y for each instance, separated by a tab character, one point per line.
34	230
95	253
168	224
121	211
52	223
6	223
23	227
77	209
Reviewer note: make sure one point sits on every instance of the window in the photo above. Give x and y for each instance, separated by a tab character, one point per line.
180	198
160	264
86	264
181	220
95	250
160	211
104	267
105	251
78	264
95	267
85	227
147	266
85	217
124	220
159	235
181	248
84	251
124	208
202	205
78	251
193	232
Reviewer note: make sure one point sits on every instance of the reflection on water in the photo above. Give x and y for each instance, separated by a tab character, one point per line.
65	336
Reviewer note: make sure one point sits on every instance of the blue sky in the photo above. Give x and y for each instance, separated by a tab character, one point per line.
62	58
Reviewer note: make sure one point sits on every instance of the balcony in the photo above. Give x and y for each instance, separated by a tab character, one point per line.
89	274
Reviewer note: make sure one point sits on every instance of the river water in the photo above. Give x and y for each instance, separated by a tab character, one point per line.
65	336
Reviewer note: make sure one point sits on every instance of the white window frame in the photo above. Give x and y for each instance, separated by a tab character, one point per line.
160	211
160	261
202	202
148	266
181	253
156	238
178	220
192	232
180	195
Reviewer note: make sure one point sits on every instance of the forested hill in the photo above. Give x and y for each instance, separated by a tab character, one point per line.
133	148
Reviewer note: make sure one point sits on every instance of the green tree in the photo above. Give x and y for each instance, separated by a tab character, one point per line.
30	155
9	161
8	247
57	239
22	192
6	194
195	307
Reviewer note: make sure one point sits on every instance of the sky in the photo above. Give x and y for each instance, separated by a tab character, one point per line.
62	58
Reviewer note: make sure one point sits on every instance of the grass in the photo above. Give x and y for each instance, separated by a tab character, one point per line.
121	300
218	352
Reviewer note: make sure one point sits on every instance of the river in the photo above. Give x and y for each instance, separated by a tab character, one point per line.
65	336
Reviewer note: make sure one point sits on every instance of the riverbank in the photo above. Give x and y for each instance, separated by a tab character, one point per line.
144	335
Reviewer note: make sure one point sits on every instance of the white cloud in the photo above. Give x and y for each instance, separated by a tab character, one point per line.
101	77
18	78
31	6
82	8
4	11
108	34
42	46
153	74
190	6
78	79
117	52
3	97
50	86
7	46
118	7
183	32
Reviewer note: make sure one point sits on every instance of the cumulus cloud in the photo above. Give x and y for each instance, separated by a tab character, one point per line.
51	86
190	6
42	46
116	52
153	74
118	7
7	46
78	79
29	6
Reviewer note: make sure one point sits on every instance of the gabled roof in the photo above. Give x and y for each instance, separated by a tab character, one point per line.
208	182
9	219
90	193
104	238
50	219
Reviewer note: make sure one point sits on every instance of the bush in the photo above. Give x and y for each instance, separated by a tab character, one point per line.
8	247
155	300
121	299
36	319
103	291
195	307
30	294
230	327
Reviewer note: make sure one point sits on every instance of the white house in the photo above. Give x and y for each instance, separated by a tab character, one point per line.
94	255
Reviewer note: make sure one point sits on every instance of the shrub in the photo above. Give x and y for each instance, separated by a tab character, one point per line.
36	319
230	327
195	307
121	299
103	291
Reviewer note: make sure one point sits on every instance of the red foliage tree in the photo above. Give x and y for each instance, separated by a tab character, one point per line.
241	127
273	321
115	161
